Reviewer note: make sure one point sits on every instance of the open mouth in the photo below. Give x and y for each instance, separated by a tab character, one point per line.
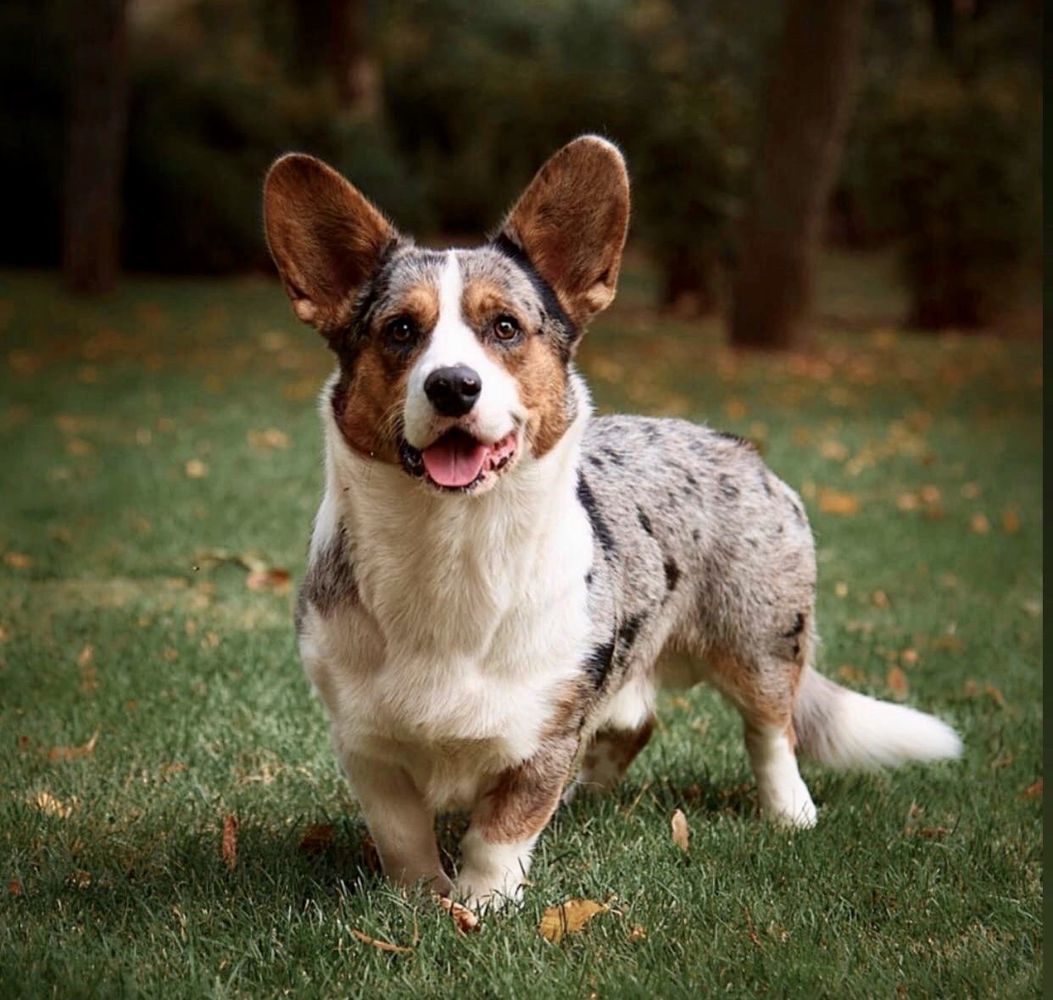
458	461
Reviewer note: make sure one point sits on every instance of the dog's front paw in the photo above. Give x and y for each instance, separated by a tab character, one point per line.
491	892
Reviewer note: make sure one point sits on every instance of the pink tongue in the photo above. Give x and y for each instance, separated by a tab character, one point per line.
454	460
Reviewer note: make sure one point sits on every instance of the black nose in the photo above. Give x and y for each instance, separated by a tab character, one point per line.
453	391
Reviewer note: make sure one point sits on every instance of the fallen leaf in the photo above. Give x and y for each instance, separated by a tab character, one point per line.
909	656
230	842
14	887
79	879
932	832
464	920
907	501
836	502
834	450
1010	521
316	838
17	560
89	676
930	494
841	588
373	942
735	409
681	833
569	917
979	525
851	674
1033	791
74	753
995	695
897	683
195	469
879	599
269	438
275	579
637	933
47	803
971	491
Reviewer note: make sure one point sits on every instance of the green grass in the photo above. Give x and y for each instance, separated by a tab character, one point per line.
925	882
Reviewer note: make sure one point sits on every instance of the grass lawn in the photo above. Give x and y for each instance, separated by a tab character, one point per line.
156	444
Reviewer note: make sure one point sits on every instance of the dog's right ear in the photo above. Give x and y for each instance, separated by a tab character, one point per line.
325	236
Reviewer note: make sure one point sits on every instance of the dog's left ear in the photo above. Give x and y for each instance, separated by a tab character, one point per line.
571	222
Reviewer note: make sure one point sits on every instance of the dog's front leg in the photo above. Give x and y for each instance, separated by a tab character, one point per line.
506	822
400	823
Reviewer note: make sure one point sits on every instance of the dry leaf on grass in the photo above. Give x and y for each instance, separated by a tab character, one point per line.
569	917
836	502
979	525
17	560
897	683
464	920
275	580
373	942
681	833
269	438
195	469
47	803
318	837
1033	791
637	933
1010	521
230	842
74	753
14	887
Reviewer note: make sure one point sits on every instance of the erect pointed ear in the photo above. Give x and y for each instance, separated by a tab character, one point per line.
571	222
325	237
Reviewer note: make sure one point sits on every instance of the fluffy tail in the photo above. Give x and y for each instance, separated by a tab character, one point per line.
844	729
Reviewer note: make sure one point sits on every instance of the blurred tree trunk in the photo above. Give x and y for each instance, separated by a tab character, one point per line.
354	69
805	118
942	14
95	157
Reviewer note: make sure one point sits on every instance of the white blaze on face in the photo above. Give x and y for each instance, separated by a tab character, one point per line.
453	342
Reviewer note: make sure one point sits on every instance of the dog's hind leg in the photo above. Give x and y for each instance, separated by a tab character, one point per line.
763	687
626	726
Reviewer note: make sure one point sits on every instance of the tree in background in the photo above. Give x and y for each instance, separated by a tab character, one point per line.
96	138
354	68
807	111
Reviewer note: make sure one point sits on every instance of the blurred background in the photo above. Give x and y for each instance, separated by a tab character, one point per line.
136	134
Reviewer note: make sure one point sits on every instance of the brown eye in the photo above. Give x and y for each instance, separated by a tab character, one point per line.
401	330
506	328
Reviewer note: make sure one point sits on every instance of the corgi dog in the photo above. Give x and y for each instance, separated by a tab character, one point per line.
493	572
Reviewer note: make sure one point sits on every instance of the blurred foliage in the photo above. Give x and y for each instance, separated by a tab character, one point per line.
943	156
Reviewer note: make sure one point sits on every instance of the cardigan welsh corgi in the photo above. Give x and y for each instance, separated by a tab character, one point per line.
494	573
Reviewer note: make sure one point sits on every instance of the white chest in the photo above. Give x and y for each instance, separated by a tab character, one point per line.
468	631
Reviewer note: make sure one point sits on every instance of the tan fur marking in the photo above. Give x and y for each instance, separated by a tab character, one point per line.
763	692
420	303
482	301
524	798
542	380
369	406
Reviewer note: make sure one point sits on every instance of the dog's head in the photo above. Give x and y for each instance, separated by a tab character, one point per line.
454	364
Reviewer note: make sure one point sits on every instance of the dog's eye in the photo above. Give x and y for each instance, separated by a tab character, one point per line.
506	328
401	330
